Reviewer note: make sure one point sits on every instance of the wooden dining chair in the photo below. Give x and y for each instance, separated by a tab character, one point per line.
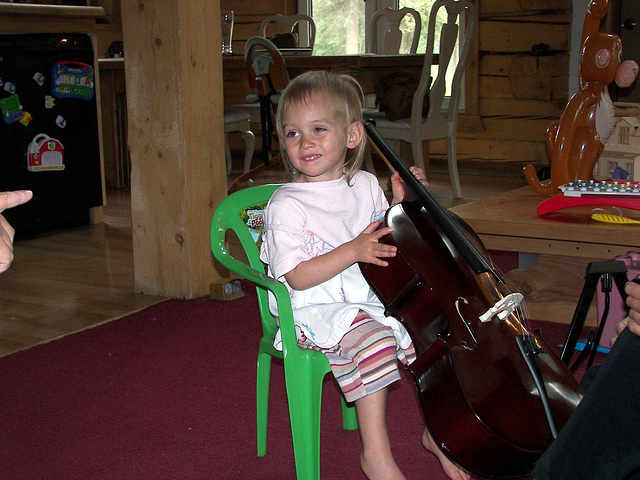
267	75
287	24
239	120
386	38
391	39
442	119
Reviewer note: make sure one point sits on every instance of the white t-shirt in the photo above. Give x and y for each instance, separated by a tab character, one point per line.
304	220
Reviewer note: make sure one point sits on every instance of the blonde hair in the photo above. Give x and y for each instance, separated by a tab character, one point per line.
347	96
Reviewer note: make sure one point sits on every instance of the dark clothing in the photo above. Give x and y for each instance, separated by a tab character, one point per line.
601	440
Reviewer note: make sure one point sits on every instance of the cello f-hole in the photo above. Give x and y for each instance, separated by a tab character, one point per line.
468	325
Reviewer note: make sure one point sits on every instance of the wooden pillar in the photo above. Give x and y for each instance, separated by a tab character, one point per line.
173	68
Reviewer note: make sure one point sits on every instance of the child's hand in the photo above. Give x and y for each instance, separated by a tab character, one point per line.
364	248
368	249
399	188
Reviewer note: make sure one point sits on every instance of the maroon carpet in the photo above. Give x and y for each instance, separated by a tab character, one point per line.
168	393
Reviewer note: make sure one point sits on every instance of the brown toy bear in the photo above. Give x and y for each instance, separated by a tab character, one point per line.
577	139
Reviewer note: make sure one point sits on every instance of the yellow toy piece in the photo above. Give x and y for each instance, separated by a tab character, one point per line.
609	218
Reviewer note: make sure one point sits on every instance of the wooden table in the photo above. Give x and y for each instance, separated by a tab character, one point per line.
368	69
555	249
510	222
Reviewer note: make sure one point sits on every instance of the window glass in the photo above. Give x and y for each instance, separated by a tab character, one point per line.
423	7
340	26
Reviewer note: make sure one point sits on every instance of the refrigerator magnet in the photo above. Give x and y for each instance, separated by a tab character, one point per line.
45	154
72	80
26	118
11	109
38	78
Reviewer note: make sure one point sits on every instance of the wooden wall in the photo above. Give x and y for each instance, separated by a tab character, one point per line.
519	94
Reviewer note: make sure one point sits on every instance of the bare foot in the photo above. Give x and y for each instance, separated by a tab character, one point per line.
380	468
450	469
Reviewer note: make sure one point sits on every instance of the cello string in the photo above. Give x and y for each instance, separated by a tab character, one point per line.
479	253
521	310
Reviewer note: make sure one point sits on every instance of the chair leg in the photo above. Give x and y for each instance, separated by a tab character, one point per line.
227	152
249	148
265	128
304	393
452	162
262	401
349	415
418	156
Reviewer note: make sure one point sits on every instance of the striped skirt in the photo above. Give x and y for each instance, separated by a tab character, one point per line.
366	359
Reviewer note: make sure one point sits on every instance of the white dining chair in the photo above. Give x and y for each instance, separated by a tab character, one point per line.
386	38
442	118
391	39
288	24
237	119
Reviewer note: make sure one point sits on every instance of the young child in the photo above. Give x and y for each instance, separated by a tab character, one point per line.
316	230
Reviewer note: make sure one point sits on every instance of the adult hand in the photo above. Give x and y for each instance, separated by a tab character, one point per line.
632	322
8	200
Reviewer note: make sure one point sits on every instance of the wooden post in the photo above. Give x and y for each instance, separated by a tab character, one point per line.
173	69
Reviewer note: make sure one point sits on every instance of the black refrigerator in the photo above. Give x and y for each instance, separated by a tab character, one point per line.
49	139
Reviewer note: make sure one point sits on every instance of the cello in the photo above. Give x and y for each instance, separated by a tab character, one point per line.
493	394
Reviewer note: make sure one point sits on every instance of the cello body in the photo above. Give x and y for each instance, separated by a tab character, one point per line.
488	409
478	398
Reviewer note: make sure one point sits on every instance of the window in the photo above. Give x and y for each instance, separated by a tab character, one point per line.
341	25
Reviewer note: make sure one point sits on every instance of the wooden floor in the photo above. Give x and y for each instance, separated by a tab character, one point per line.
73	279
69	280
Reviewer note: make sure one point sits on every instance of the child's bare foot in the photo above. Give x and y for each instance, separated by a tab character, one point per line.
450	469
380	468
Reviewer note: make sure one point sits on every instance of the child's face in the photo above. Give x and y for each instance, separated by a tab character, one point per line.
316	140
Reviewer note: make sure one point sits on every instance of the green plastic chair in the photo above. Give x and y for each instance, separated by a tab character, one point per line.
304	370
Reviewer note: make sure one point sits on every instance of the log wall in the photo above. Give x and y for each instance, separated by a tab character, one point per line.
522	84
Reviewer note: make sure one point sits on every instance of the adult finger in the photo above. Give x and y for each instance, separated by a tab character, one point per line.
6	231
6	252
15	198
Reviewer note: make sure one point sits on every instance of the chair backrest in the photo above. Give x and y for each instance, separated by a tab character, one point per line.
460	14
392	37
266	68
241	213
306	27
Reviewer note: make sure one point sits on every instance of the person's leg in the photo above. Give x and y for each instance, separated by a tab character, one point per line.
366	359
376	459
365	364
601	439
450	469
